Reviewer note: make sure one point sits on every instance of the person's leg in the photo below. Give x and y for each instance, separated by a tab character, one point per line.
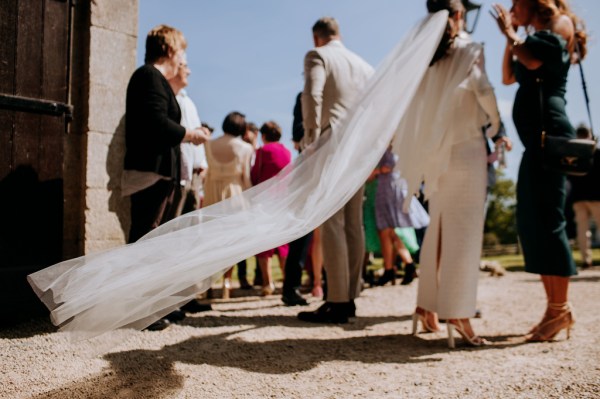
335	256
267	276
148	208
387	248
242	271
317	263
282	261
558	315
410	270
387	252
401	249
226	293
294	264
582	220
355	243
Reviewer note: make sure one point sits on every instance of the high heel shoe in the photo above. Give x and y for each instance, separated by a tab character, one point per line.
421	314
547	330
226	288
457	325
267	290
388	275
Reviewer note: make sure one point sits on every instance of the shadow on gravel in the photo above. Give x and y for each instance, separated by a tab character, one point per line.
152	374
222	320
30	328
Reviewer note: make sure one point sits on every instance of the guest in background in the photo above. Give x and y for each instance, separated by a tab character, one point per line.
199	174
389	215
193	159
153	135
333	77
228	172
186	197
298	248
269	160
250	137
585	195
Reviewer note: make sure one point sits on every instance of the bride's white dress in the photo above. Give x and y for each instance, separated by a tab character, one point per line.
136	284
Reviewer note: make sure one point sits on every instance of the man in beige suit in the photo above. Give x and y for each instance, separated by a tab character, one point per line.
333	77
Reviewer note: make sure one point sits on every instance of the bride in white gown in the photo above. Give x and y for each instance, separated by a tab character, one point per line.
452	246
134	285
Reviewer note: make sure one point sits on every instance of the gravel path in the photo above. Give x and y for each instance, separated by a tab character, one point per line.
256	348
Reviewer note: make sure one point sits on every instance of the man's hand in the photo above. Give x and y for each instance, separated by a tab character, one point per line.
506	141
197	136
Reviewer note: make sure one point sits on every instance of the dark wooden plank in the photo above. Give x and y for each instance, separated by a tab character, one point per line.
56	57
26	141
6	138
28	68
51	154
55	50
8	26
8	33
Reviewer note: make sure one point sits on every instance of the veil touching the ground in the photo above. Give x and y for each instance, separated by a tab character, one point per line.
136	284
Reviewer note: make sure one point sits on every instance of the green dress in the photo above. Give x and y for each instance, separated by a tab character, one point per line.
371	235
541	193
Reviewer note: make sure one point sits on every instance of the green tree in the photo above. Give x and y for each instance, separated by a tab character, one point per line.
500	222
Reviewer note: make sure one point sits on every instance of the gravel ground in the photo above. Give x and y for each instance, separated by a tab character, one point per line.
256	348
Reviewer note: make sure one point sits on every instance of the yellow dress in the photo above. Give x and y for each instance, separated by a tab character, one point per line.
228	172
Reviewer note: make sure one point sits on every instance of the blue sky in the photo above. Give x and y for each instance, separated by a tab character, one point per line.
246	55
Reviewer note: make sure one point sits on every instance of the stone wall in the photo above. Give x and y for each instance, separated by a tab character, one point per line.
104	57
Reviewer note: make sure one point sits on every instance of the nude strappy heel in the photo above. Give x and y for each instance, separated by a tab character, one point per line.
421	314
549	329
457	325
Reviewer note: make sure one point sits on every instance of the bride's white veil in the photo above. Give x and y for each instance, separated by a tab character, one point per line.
134	285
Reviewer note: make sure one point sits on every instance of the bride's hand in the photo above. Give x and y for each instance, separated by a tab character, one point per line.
504	20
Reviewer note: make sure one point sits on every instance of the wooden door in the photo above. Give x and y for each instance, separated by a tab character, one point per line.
34	76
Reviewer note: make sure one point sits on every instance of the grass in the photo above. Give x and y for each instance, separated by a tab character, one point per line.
515	263
512	263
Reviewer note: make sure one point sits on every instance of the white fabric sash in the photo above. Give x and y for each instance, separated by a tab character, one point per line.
134	285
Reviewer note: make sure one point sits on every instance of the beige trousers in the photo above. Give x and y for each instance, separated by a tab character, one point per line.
584	211
343	250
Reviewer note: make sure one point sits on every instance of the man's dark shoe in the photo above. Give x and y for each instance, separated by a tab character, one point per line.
244	284
329	312
410	273
351	308
175	316
293	298
158	325
194	306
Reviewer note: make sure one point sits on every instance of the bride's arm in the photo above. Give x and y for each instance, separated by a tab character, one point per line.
484	92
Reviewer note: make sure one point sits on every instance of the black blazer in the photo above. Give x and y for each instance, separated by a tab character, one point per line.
152	129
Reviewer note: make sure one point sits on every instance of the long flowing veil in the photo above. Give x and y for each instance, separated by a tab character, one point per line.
136	284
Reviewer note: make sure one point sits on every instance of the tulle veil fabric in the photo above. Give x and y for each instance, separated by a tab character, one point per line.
136	284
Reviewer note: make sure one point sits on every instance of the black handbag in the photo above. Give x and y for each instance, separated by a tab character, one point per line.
569	156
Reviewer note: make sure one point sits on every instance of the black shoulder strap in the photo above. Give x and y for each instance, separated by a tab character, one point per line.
585	92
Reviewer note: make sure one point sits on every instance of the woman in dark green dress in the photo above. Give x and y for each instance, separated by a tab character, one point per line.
542	61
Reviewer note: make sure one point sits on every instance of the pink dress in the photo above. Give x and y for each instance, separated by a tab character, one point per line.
269	160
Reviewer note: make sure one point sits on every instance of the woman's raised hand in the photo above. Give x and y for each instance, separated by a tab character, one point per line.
504	20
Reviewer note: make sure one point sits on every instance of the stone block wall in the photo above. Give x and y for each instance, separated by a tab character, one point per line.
104	57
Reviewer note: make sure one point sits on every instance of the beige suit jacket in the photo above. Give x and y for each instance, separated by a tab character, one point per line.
333	77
